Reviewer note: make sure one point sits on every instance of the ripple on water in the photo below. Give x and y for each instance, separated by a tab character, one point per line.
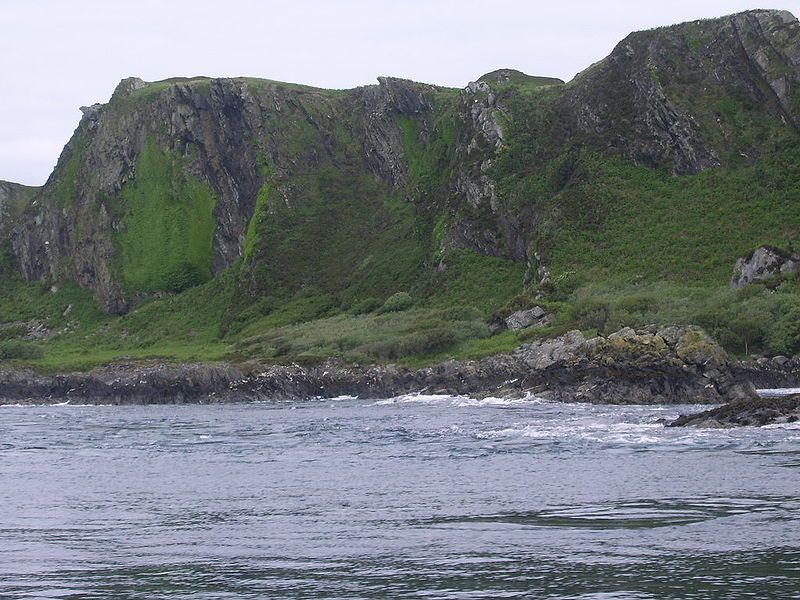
633	514
415	496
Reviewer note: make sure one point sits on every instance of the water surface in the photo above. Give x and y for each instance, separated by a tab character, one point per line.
418	496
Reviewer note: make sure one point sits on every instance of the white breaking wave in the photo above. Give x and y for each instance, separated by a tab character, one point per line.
639	433
790	426
778	392
459	401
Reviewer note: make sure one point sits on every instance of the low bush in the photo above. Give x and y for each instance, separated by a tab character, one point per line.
12	331
415	344
15	349
397	302
365	306
592	314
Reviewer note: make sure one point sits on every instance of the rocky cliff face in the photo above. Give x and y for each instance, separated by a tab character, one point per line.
666	97
170	183
231	136
14	199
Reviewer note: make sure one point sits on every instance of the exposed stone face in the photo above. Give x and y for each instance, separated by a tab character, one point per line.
533	317
771	40
227	131
622	101
635	100
482	135
762	263
382	143
13	199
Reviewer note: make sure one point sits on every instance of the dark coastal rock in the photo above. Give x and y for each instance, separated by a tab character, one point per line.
770	373
755	412
627	367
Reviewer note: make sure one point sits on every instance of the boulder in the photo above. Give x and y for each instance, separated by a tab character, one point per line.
763	263
695	347
535	316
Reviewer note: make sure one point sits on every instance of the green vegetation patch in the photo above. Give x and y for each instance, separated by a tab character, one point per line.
483	282
167	232
369	337
66	188
345	235
632	223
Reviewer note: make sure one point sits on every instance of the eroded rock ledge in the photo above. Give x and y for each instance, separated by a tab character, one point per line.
669	365
747	412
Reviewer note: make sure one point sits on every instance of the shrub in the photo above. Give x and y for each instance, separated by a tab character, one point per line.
592	314
784	333
367	305
414	344
460	313
13	330
183	276
11	349
397	302
638	303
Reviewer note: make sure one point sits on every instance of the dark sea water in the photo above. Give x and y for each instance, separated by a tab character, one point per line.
423	497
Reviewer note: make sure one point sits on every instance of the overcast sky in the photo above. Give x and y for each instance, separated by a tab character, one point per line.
57	55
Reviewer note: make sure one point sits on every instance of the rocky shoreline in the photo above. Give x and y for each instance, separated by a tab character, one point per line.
651	366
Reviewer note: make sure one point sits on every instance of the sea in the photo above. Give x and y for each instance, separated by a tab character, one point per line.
419	496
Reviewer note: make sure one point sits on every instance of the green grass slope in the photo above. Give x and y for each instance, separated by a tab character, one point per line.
167	226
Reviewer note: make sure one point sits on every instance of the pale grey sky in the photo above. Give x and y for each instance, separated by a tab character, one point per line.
57	55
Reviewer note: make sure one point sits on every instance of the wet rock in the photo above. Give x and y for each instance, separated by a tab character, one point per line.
753	412
768	373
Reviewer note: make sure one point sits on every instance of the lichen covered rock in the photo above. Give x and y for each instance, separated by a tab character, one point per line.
764	262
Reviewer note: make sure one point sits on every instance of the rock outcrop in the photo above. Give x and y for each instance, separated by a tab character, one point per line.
14	198
755	412
763	263
532	317
231	136
771	373
639	99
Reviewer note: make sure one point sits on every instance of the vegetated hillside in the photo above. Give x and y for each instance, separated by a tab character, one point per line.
244	218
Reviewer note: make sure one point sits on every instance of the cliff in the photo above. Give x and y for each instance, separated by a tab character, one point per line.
287	203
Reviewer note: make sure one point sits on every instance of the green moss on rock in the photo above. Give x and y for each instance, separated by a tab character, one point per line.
167	231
